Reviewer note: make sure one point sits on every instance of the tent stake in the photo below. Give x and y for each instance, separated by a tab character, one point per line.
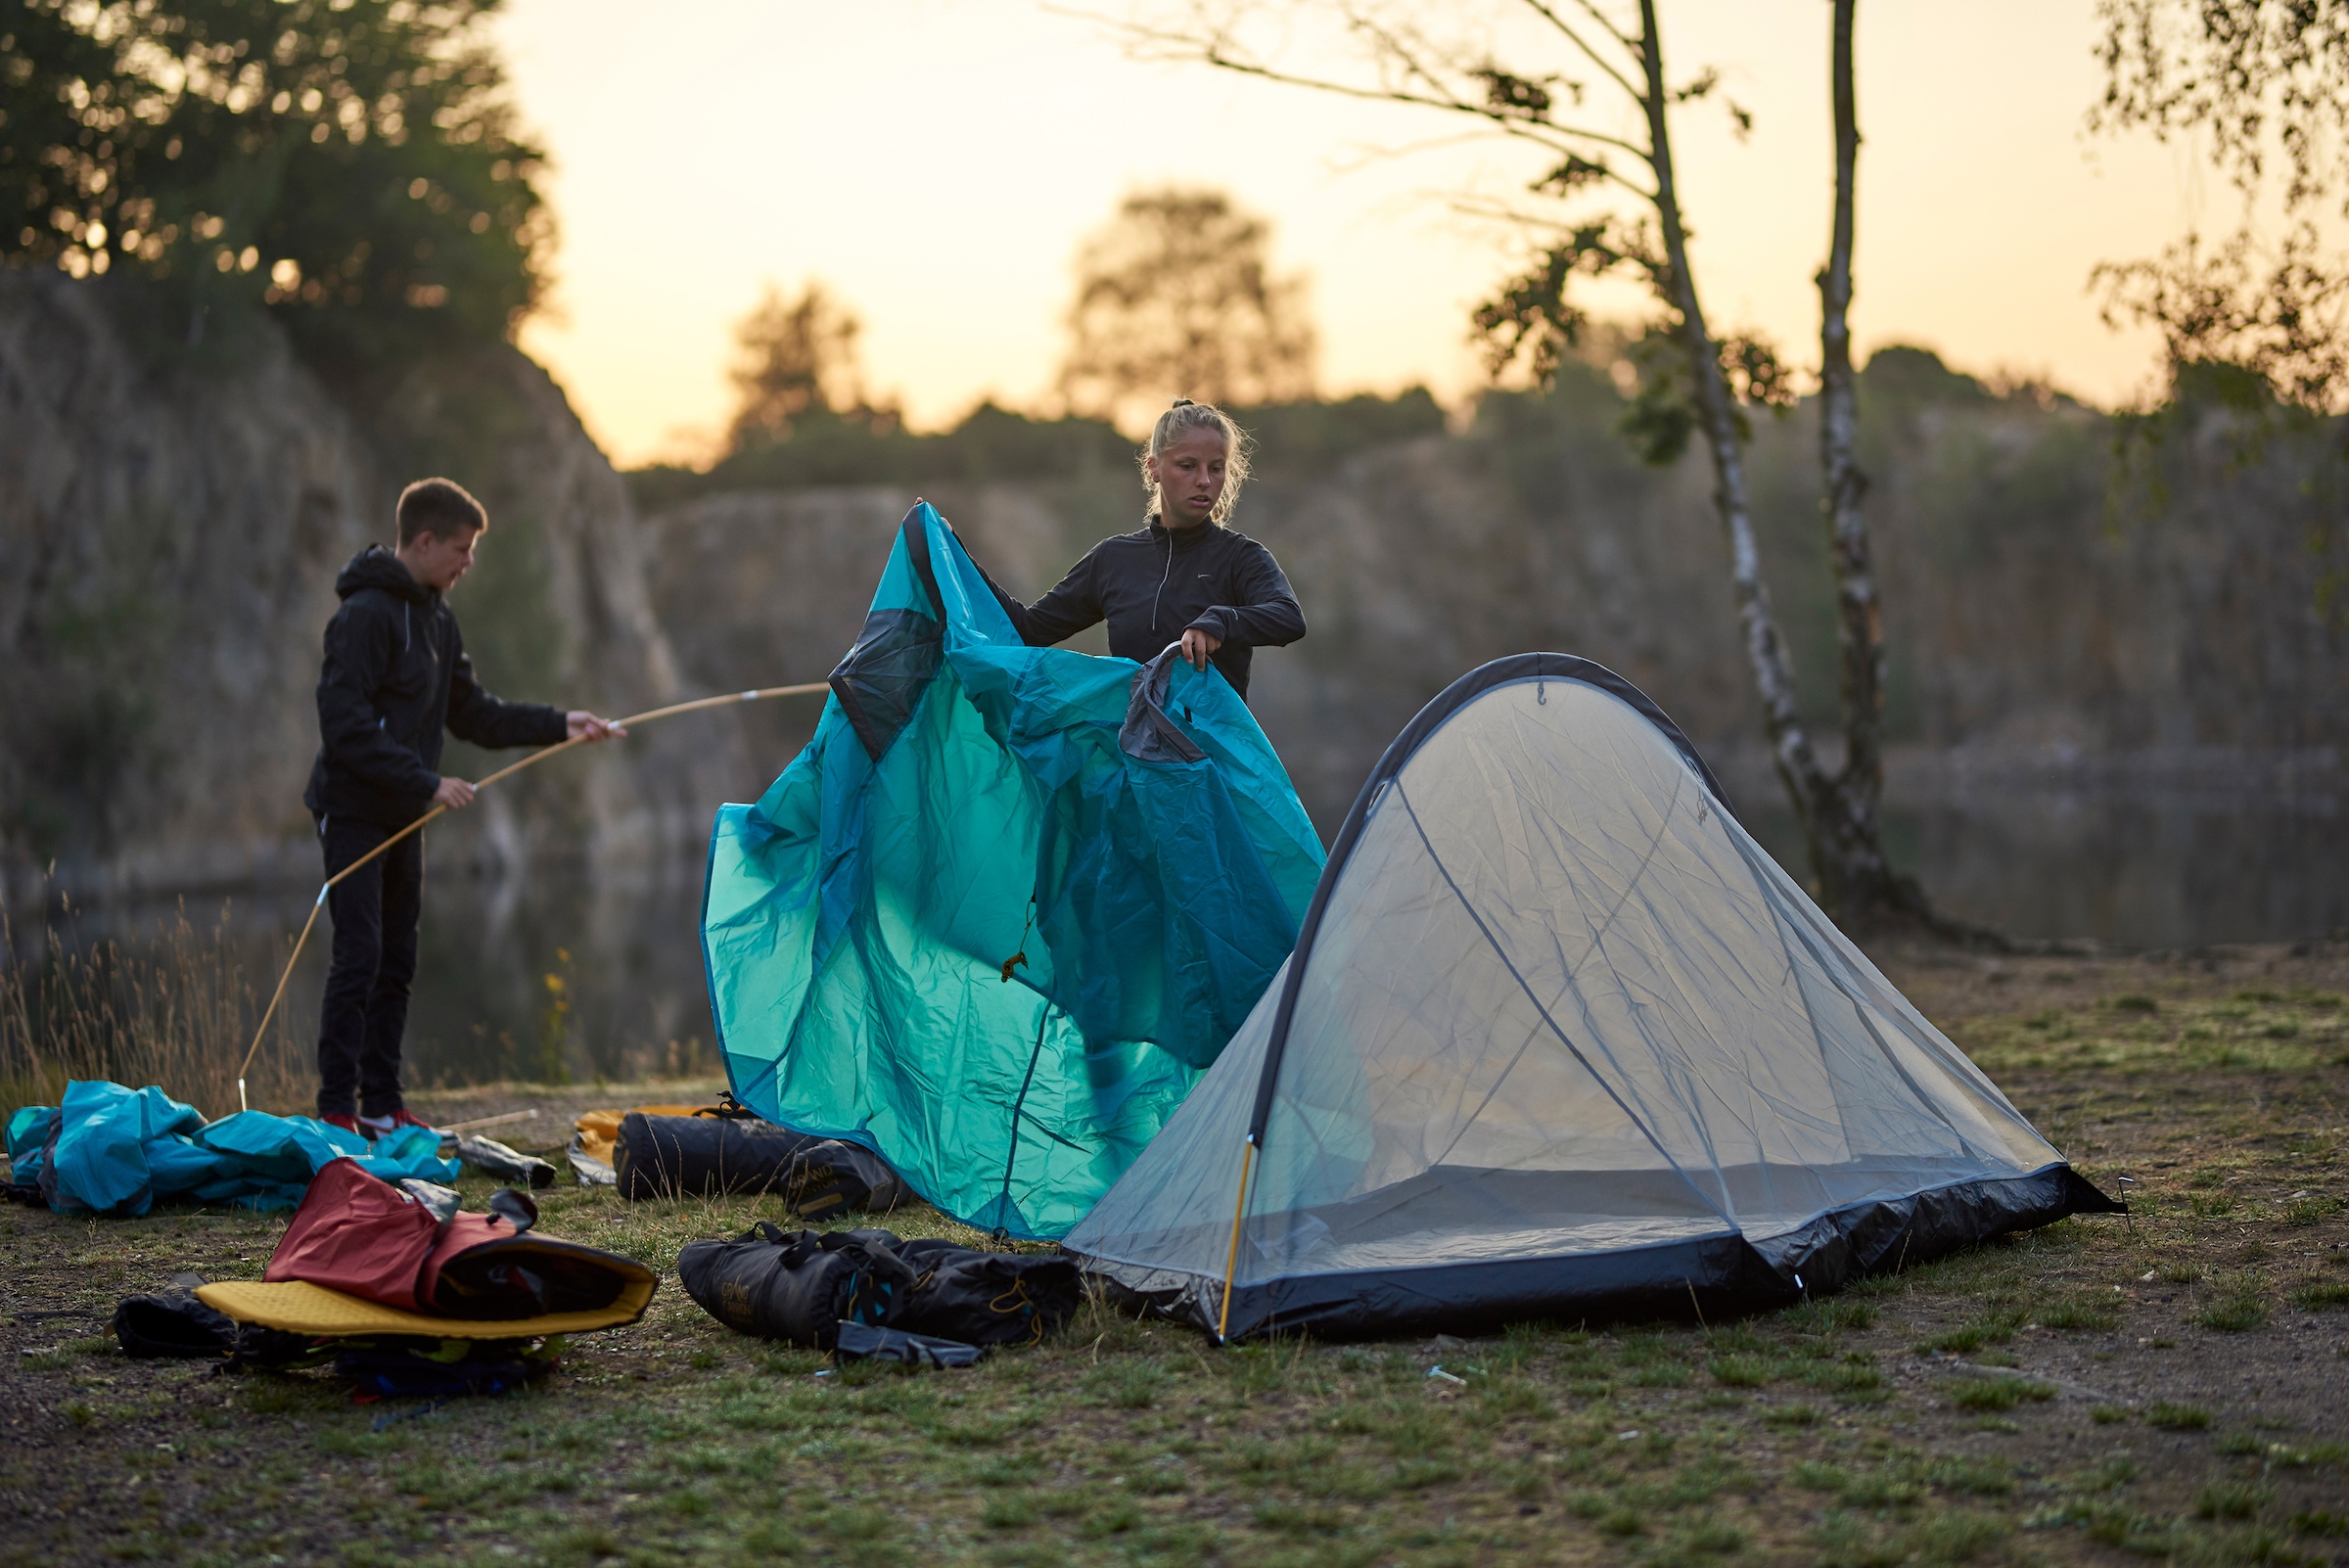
415	826
1231	1259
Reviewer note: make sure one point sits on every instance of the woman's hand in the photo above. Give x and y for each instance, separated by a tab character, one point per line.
1197	645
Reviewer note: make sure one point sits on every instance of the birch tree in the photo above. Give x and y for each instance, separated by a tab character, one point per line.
1608	203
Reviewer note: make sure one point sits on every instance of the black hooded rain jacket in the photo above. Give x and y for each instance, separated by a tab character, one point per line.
396	676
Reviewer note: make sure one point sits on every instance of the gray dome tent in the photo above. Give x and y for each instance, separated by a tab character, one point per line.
1559	1038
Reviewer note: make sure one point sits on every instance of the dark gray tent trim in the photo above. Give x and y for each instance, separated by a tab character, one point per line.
1872	1106
1724	1273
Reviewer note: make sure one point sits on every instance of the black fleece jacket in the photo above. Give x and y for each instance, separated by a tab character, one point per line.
396	674
1153	585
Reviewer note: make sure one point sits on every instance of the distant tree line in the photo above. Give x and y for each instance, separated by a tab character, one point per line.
831	447
1176	297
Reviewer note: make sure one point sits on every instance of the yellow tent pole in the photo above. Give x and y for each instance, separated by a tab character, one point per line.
1231	1259
417	826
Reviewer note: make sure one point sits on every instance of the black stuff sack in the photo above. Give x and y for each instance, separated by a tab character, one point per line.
987	1297
173	1322
707	1156
796	1286
837	1177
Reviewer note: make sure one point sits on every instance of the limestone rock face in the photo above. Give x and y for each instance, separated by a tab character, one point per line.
171	522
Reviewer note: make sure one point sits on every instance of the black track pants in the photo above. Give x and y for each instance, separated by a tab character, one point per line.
366	1007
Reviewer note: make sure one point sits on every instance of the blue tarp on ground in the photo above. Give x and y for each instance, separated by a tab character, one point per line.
115	1151
1007	907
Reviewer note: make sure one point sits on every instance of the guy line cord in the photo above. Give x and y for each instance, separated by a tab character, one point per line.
537	756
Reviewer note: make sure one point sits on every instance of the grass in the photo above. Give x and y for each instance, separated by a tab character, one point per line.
1996	1393
2178	1417
2259	1029
2238	1307
1835	1431
175	1005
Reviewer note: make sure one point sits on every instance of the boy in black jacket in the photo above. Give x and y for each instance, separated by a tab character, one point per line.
396	674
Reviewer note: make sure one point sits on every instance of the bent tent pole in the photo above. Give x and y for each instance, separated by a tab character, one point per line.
539	756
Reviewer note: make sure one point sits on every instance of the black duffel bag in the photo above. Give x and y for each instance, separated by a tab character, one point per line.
798	1286
707	1156
987	1297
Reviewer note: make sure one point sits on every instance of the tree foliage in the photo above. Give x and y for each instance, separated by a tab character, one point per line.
2278	318
1176	297
796	358
351	165
2259	82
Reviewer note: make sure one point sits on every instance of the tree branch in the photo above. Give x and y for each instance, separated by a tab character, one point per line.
1214	48
1209	52
1549	15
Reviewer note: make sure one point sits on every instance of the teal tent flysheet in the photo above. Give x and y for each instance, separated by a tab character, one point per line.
1007	907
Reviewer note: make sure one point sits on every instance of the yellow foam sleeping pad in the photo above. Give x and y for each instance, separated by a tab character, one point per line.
300	1307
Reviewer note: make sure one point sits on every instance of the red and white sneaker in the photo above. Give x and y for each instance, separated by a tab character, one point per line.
349	1124
378	1126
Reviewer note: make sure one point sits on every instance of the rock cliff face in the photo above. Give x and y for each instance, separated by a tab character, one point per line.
172	520
170	527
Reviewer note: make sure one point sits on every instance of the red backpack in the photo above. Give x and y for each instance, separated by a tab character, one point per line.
410	1246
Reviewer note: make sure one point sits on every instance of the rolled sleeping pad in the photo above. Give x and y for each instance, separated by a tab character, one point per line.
706	1156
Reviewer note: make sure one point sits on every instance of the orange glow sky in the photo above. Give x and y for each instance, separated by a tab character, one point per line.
937	163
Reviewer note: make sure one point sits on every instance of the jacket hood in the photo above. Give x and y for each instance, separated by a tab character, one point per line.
378	568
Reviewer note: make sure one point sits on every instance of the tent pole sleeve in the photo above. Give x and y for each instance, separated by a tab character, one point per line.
1044	1016
1231	1257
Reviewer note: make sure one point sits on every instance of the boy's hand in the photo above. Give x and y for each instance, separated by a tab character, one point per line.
453	793
580	722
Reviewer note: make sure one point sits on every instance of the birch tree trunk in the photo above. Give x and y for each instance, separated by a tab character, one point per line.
1839	813
1847	842
1791	750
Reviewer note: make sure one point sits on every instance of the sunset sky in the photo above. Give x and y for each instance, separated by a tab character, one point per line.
938	161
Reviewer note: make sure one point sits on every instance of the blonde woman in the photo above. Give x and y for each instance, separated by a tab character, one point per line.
1184	577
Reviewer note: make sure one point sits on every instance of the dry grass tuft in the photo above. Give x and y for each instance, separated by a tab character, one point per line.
176	1009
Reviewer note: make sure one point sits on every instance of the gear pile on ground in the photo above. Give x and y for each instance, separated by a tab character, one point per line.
402	1290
